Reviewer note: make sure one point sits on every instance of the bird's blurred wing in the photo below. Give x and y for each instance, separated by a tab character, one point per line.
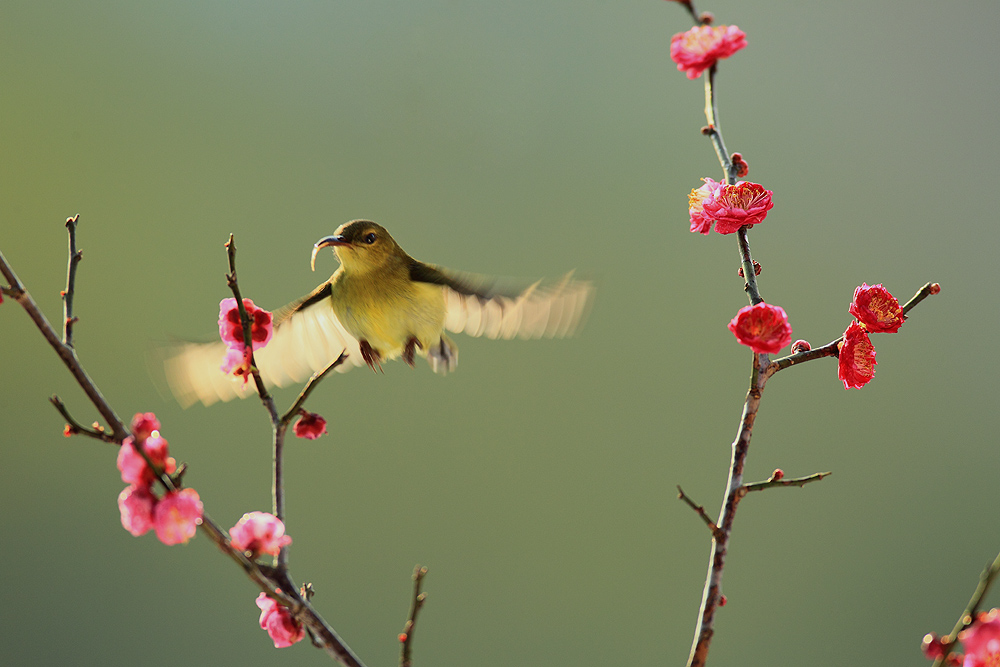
307	338
483	306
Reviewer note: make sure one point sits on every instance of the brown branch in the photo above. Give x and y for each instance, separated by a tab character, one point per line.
406	637
65	352
67	296
700	511
74	427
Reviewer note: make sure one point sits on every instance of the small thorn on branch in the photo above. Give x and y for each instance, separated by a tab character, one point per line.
717	532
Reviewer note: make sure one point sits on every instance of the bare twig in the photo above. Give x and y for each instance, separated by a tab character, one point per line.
986	578
67	296
310	385
778	482
700	511
65	352
74	427
416	604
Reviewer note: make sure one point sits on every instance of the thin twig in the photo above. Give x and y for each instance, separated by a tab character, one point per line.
74	427
67	296
416	604
793	481
986	579
700	511
66	353
310	385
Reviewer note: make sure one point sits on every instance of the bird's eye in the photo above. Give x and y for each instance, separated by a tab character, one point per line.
370	238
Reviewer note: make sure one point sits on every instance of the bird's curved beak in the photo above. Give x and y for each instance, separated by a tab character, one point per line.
326	242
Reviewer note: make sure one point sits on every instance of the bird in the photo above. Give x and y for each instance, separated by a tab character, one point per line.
381	304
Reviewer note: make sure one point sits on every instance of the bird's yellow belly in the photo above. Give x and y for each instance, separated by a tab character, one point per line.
387	316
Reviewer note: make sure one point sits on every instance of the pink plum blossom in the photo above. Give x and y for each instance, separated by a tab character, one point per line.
981	640
856	365
763	328
700	47
735	206
231	330
877	309
696	203
259	533
136	504
282	628
177	516
133	467
310	426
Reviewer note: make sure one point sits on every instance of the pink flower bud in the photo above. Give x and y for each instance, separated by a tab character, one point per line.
177	516
763	328
778	474
801	346
856	366
259	533
136	504
281	627
310	426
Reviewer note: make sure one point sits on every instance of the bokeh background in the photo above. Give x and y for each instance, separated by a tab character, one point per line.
522	138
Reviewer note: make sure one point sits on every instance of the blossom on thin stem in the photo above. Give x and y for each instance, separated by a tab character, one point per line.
735	206
231	329
877	309
856	366
281	627
702	46
259	533
763	328
310	426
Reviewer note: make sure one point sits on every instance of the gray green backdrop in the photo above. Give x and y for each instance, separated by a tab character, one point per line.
537	483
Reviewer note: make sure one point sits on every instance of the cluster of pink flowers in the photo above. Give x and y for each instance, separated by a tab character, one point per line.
876	311
981	642
176	515
729	207
238	357
702	46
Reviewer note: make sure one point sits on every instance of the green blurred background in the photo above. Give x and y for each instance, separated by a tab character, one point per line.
522	138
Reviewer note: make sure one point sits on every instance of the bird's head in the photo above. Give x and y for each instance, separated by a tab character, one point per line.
360	245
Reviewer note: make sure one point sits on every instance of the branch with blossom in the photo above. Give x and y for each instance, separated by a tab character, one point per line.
735	207
155	498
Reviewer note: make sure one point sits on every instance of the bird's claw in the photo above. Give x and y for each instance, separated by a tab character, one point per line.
371	356
411	348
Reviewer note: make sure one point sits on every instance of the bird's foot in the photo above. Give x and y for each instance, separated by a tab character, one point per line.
371	356
411	348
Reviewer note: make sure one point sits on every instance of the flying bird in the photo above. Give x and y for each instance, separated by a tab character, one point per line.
381	304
